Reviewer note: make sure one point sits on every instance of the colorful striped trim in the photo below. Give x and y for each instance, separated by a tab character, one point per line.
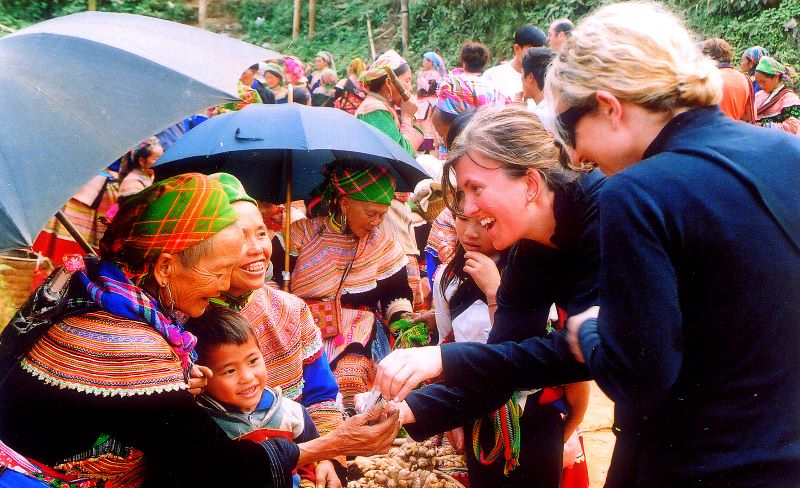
101	354
398	305
327	415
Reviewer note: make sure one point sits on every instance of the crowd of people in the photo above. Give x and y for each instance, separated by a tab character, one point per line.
612	203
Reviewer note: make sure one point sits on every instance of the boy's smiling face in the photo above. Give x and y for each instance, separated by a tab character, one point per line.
240	374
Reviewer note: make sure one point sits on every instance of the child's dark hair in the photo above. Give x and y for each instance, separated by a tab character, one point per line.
473	56
219	326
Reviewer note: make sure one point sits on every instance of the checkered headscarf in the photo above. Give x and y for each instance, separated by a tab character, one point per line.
374	184
169	216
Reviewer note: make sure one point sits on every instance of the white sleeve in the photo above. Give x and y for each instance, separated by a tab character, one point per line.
441	309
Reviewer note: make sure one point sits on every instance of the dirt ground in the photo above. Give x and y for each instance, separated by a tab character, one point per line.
598	440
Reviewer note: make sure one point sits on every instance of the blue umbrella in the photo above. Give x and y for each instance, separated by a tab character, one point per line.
270	147
79	91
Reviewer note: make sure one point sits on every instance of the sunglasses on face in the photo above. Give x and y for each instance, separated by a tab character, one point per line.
568	120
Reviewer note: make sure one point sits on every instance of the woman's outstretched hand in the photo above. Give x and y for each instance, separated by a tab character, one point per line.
404	369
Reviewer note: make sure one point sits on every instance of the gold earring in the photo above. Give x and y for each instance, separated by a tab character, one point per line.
171	308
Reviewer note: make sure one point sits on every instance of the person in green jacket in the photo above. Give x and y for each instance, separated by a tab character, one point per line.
379	108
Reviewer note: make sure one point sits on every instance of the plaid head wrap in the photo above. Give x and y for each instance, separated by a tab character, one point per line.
233	188
390	58
770	66
457	93
169	216
374	184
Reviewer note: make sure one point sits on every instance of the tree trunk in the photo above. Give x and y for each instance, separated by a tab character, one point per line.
92	5
312	17
201	13
404	25
296	19
371	39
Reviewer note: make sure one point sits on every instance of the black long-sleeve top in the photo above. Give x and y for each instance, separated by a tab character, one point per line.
698	338
536	276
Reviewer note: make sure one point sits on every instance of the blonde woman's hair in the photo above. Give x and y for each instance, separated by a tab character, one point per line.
639	52
516	140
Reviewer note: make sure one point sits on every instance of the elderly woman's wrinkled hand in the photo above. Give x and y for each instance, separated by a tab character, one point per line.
198	379
369	433
404	369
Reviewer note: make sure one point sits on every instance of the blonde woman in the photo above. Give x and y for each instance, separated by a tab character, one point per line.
697	338
545	216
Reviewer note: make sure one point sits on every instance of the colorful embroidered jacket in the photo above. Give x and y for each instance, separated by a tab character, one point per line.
103	397
779	109
292	349
377	277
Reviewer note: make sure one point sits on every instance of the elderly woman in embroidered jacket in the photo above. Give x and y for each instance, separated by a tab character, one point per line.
104	395
347	268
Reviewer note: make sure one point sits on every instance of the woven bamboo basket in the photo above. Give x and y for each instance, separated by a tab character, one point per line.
16	276
435	204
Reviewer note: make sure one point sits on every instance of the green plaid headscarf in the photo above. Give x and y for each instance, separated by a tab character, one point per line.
169	216
770	66
233	188
374	184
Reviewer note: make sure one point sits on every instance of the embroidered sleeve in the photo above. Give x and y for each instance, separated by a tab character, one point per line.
392	258
320	393
310	336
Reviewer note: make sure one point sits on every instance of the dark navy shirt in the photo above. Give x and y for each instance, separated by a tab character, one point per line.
698	339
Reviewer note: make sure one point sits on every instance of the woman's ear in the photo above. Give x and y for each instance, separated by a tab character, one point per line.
164	268
533	182
609	106
344	204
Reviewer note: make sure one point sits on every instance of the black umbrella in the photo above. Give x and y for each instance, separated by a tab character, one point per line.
278	151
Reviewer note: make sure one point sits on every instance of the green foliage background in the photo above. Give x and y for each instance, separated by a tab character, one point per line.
440	26
19	13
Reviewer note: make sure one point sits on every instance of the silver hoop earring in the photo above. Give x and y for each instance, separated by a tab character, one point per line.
171	308
343	221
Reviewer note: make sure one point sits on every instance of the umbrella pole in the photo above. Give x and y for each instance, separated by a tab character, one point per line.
74	233
287	224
